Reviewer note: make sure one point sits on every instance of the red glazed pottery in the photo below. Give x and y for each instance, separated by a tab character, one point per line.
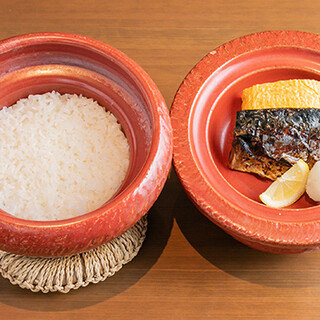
67	63
203	117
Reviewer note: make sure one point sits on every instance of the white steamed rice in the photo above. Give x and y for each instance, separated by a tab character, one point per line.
61	156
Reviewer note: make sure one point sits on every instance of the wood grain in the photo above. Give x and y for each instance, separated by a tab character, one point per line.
188	268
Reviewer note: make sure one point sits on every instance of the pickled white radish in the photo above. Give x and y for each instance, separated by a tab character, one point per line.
313	183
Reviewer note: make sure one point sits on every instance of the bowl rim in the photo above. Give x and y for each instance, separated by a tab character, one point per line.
209	201
150	90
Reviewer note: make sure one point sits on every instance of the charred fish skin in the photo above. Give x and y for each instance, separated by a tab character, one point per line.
269	141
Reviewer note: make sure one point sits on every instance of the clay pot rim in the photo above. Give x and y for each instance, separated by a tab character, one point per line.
151	91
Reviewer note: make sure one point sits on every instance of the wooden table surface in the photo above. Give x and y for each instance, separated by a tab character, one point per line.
187	268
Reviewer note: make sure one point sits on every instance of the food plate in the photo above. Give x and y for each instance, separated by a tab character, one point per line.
203	115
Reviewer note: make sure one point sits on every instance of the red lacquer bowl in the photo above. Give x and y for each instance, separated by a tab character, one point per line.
203	118
66	63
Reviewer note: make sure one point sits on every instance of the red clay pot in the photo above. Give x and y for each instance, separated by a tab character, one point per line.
67	63
203	118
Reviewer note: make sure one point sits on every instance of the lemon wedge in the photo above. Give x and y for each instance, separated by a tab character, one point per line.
288	188
295	93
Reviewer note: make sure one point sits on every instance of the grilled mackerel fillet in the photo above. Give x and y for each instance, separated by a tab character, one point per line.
269	141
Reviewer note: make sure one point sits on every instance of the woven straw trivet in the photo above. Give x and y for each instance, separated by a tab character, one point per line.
72	272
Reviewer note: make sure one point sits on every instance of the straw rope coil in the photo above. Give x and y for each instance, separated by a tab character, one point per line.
72	272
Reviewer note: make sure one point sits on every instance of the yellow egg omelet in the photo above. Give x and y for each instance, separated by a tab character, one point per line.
297	93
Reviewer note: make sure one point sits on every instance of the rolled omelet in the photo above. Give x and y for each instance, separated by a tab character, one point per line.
296	93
